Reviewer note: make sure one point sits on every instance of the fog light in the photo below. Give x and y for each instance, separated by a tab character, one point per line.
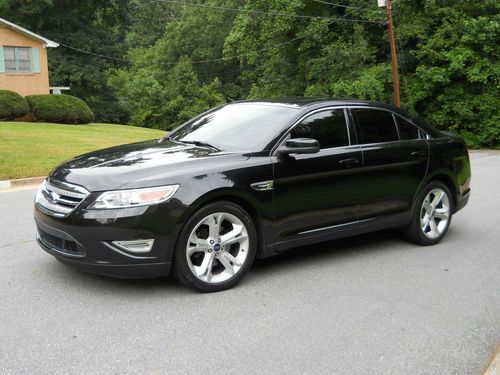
135	246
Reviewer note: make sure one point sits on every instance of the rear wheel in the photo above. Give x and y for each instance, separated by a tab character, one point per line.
216	248
432	215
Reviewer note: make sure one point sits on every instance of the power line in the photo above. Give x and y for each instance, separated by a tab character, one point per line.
253	11
168	63
303	35
95	54
298	37
343	6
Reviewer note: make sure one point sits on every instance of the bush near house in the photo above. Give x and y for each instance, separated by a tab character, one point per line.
64	109
12	105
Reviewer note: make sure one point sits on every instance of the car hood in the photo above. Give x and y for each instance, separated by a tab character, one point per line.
143	164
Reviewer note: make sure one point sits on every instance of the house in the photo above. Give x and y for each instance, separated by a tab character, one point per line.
23	60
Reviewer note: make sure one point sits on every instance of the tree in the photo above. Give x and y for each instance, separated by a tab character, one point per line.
453	66
164	100
175	59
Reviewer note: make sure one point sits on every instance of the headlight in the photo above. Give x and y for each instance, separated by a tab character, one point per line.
134	197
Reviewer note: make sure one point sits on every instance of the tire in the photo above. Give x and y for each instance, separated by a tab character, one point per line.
216	247
431	215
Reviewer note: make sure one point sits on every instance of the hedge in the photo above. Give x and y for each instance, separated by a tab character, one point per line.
64	109
12	105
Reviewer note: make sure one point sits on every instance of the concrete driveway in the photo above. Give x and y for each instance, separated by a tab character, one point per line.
367	305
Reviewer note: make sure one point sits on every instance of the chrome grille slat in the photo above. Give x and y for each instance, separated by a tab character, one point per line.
66	193
58	201
67	202
54	207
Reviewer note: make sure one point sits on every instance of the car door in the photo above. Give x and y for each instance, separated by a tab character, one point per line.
317	195
394	161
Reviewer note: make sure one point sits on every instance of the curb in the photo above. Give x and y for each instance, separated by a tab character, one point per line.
494	365
21	182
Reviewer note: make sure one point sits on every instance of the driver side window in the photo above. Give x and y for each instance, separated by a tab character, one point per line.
329	128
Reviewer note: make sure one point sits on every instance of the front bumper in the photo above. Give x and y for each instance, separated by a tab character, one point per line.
84	239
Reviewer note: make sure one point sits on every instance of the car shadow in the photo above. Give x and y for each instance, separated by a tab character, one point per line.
331	250
304	256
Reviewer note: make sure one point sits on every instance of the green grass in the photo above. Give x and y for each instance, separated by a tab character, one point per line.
34	149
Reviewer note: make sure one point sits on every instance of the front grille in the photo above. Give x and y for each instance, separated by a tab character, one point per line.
61	244
60	201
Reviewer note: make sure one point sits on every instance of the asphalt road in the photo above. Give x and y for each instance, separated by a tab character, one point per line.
368	305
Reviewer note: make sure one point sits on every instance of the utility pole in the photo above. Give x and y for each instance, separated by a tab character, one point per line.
392	42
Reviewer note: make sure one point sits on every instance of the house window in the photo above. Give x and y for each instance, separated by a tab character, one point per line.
17	59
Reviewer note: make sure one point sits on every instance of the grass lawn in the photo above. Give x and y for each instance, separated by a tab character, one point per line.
33	149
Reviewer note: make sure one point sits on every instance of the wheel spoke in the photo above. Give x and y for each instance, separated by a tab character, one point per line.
427	206
208	276
214	225
437	199
235	240
198	241
442	213
226	263
234	260
433	227
425	221
233	236
196	249
205	267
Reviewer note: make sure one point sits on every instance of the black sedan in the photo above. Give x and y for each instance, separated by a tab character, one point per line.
251	179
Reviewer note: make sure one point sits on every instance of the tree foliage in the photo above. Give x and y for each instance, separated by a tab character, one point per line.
185	56
448	59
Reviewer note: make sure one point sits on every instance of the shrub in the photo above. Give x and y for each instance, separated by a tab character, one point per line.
12	105
64	109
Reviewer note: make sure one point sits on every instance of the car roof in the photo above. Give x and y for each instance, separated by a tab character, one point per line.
303	102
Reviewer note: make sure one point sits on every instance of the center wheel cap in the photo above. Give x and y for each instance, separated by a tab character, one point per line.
217	247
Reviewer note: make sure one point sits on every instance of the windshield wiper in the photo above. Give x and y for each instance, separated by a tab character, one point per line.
203	144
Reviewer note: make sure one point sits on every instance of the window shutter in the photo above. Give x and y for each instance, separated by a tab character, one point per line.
35	60
2	61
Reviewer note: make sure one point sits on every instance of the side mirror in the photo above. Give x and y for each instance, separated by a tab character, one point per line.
299	146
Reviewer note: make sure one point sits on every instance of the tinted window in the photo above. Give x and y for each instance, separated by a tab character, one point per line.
406	129
328	128
238	127
376	126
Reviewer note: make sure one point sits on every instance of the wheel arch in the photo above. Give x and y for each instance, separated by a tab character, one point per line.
447	180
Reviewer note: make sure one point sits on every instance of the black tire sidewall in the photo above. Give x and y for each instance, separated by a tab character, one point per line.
180	265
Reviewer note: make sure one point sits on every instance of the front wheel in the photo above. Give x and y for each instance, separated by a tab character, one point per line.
216	248
431	215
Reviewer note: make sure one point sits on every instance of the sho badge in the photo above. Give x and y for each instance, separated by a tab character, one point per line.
263	185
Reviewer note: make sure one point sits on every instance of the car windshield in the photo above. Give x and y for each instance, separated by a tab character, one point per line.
237	127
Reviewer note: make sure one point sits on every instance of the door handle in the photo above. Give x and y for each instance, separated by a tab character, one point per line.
418	153
349	162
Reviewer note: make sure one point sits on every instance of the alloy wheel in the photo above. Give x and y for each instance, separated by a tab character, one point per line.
435	213
217	247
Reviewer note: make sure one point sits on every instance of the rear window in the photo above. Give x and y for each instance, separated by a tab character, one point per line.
376	125
406	129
